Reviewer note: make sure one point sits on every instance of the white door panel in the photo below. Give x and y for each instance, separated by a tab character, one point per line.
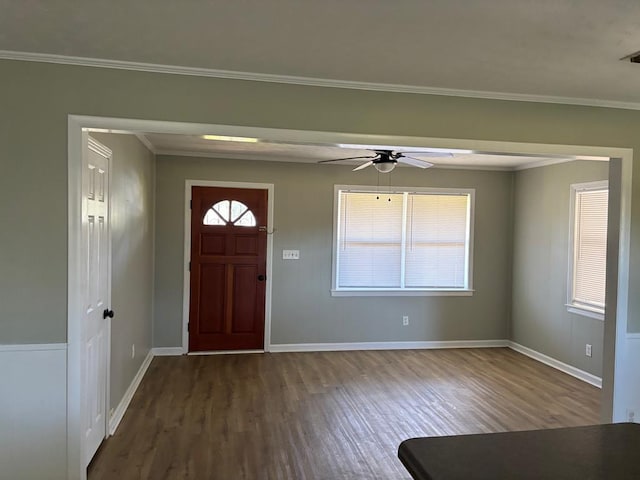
96	237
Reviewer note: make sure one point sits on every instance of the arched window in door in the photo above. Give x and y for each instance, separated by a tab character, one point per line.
230	212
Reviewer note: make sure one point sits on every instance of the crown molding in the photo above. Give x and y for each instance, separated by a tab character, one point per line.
232	156
309	81
145	141
543	163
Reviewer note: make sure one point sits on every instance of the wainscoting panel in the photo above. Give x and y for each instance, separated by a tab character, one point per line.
33	412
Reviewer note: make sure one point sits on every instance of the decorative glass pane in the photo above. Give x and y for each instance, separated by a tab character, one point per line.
223	209
237	209
213	218
234	212
246	220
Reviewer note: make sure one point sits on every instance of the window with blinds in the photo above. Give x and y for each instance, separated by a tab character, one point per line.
589	246
403	240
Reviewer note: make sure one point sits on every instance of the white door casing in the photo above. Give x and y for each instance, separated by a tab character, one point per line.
96	251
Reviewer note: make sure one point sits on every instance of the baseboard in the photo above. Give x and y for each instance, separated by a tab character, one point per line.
334	347
557	364
167	351
120	410
223	352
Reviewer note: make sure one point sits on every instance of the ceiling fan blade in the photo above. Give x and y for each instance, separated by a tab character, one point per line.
427	154
416	162
364	165
348	158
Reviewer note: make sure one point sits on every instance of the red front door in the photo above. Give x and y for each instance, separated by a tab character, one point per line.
228	268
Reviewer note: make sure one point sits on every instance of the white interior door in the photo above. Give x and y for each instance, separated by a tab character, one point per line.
96	327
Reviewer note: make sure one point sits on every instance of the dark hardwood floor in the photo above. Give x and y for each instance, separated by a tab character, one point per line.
330	415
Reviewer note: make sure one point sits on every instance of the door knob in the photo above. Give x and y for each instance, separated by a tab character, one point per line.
107	313
261	278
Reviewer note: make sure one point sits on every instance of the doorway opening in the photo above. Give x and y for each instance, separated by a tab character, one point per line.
77	123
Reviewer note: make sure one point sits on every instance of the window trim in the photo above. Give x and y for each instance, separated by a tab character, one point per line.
403	292
572	305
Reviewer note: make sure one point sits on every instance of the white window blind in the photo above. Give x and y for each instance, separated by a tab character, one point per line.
590	247
370	240
403	240
436	241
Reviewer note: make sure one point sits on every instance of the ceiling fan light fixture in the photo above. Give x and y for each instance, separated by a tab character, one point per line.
229	138
385	167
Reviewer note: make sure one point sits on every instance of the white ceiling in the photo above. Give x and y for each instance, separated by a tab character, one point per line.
195	145
553	48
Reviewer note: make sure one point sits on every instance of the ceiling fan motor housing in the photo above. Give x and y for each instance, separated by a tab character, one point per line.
385	156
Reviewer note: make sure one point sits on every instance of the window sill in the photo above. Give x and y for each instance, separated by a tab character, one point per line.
401	293
585	311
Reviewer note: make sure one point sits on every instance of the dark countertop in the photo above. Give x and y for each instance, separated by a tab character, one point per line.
609	452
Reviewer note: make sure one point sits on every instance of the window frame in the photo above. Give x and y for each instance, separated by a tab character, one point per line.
573	306
466	291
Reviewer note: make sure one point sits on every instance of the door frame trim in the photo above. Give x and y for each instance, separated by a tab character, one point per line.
186	291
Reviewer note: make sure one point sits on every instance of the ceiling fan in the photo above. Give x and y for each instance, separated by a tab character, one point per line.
386	160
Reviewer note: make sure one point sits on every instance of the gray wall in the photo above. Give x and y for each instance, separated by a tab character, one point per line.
36	99
540	319
303	310
132	213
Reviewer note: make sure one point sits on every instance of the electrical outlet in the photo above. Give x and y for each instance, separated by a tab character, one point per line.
587	349
405	320
631	415
133	351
